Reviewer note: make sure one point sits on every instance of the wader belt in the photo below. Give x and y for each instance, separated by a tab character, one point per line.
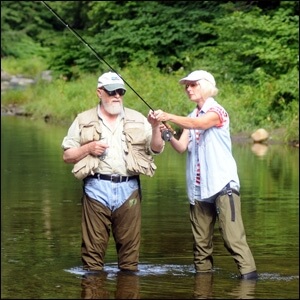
228	190
113	178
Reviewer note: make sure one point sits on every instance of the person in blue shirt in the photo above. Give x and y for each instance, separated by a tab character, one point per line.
211	175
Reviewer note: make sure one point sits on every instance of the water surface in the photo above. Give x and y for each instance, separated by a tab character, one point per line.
41	215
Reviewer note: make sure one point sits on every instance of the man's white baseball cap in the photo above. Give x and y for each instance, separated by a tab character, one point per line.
198	75
111	81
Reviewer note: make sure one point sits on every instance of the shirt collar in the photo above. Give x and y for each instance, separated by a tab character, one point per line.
207	105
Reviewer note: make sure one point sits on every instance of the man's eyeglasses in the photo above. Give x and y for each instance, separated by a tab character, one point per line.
121	92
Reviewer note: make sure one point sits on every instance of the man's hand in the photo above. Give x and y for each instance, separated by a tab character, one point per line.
161	116
152	119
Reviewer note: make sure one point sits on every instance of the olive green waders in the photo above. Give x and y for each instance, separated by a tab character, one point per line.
203	215
125	223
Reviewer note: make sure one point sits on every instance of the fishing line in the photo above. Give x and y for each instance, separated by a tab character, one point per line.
167	135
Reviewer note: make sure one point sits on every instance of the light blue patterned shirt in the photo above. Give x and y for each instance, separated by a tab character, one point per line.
213	151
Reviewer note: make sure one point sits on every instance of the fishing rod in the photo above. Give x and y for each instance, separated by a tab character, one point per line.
167	134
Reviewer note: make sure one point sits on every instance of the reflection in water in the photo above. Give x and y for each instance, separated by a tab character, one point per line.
244	290
203	286
94	286
47	217
114	284
127	286
259	149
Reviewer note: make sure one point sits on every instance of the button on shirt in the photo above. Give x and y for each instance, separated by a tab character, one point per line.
212	150
112	161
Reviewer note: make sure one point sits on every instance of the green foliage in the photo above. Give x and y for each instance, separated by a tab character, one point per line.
15	98
250	47
249	107
155	28
173	35
19	34
61	100
267	42
31	67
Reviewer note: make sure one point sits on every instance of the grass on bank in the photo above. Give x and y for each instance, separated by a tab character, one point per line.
249	106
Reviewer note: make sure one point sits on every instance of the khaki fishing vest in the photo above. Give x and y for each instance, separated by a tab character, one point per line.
136	147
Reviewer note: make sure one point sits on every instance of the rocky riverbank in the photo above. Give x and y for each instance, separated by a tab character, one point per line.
18	82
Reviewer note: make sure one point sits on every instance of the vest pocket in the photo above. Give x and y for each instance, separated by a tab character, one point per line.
86	166
138	161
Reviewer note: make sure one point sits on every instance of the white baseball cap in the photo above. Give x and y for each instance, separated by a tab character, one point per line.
111	81
197	75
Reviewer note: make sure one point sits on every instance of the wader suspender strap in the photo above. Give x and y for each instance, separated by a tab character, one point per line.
140	188
229	192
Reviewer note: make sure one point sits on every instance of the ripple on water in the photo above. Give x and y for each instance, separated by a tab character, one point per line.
177	270
144	269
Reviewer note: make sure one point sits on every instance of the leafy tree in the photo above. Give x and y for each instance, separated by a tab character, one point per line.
259	41
169	35
17	29
147	29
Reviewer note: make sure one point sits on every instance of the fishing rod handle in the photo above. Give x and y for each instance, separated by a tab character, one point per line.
169	127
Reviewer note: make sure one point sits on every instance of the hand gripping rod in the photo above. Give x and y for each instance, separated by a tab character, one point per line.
167	135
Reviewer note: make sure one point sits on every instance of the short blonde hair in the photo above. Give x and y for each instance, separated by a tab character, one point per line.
207	89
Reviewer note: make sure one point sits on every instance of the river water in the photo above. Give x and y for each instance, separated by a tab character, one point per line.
41	215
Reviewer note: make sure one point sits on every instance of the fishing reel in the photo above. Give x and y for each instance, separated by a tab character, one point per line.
166	135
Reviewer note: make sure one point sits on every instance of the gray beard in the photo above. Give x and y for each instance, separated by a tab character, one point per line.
112	108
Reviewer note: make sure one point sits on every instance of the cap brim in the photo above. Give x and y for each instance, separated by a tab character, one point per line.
186	79
115	86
